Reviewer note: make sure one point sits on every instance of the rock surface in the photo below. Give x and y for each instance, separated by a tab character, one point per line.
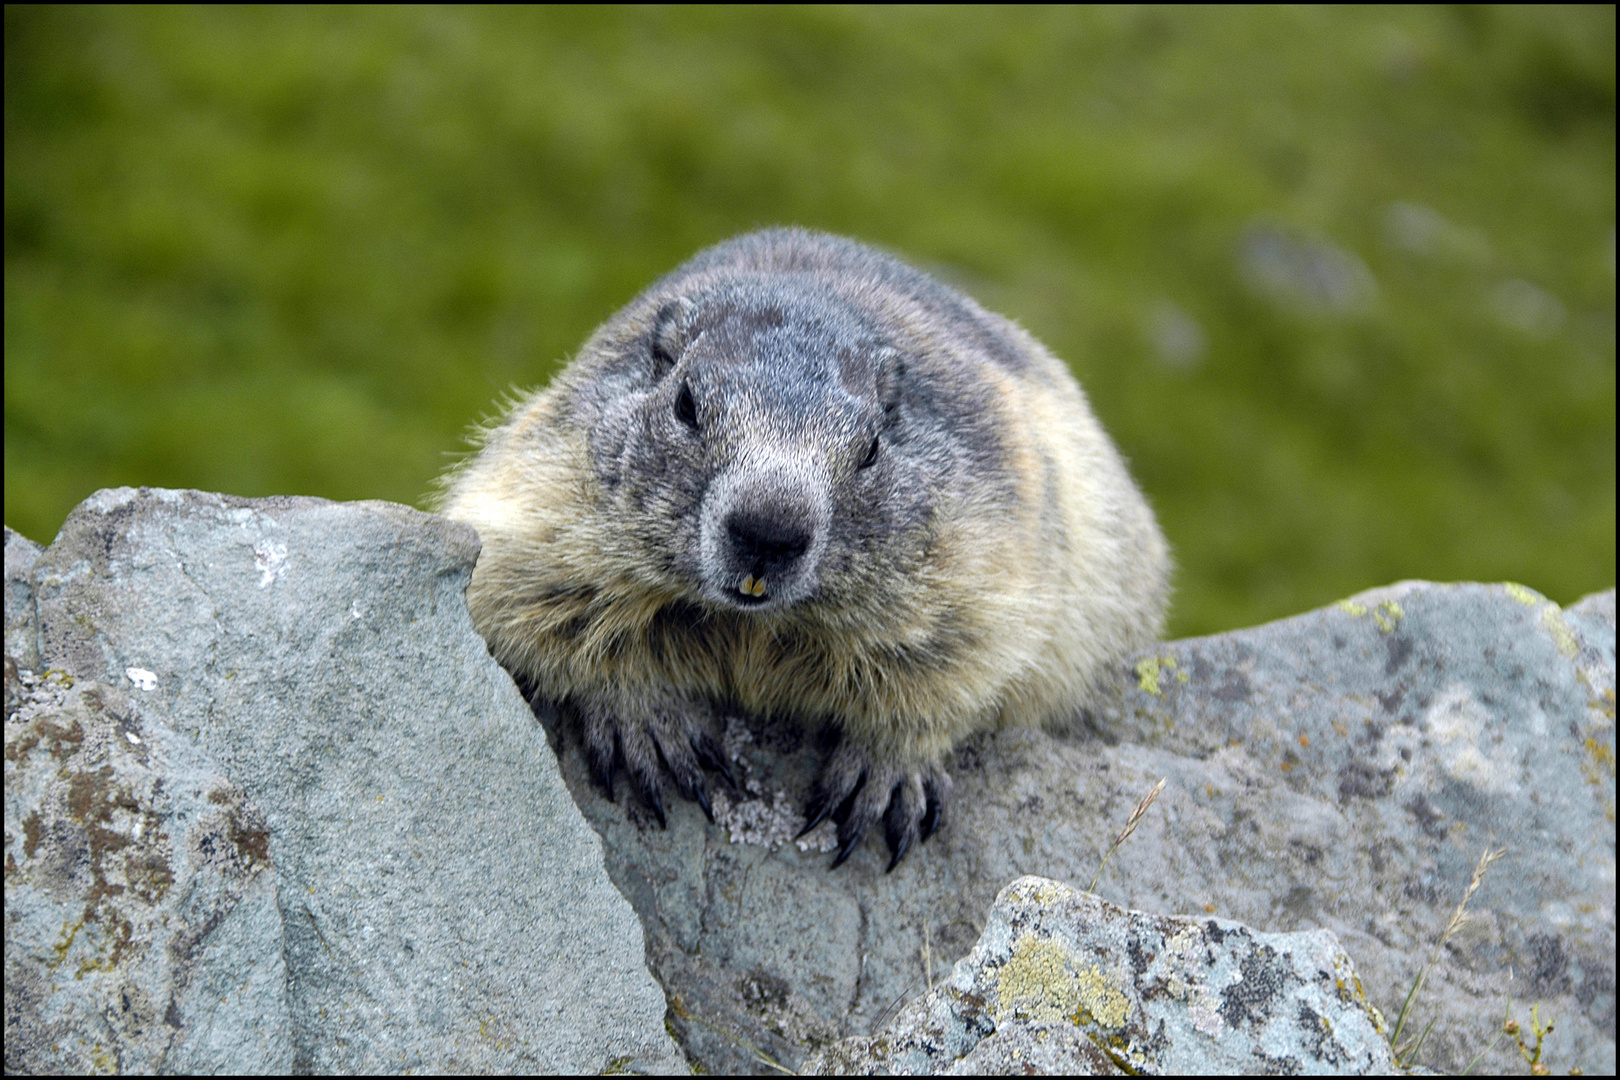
331	775
1340	770
275	808
1063	983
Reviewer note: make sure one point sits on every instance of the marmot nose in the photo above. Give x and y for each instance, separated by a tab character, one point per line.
768	539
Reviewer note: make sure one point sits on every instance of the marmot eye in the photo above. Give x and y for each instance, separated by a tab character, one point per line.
871	453
685	407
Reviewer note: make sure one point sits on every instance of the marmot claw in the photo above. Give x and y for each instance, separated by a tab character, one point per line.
673	737
856	790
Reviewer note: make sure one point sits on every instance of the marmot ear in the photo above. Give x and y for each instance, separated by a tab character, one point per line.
891	376
671	334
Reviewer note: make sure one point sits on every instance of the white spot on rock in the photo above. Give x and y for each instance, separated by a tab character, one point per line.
269	557
1459	725
1559	914
143	679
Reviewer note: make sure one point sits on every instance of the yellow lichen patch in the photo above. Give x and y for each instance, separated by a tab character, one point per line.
1527	597
1035	982
1147	672
65	942
1043	982
1341	967
1387	616
1378	1022
1107	1004
1553	620
1046	892
1602	755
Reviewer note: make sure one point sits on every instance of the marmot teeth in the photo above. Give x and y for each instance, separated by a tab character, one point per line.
951	542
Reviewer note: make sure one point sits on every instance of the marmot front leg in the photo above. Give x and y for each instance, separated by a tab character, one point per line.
857	787
666	733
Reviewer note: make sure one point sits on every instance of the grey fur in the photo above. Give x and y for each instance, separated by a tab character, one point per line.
797	476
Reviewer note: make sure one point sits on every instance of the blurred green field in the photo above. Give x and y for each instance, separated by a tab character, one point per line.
1339	281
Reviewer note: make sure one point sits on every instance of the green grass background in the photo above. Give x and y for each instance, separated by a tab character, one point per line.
300	250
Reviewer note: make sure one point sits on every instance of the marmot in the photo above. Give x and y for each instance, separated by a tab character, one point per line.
799	478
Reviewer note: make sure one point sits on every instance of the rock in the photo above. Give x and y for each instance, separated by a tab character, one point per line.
22	627
1304	272
1404	731
1061	982
1341	770
144	875
274	808
305	672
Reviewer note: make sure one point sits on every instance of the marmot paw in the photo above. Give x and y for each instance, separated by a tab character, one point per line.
674	736
855	789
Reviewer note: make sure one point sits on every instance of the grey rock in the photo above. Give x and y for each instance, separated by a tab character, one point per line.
1062	982
142	929
1304	272
22	627
275	805
339	844
1341	770
1405	730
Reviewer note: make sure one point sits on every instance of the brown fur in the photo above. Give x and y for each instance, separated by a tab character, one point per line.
1028	564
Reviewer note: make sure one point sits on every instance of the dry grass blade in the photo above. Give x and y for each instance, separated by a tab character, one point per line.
1407	1053
1130	827
1460	916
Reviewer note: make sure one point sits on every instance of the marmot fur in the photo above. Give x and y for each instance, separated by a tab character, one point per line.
800	478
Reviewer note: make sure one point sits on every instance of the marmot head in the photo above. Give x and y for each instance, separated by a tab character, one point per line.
758	438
